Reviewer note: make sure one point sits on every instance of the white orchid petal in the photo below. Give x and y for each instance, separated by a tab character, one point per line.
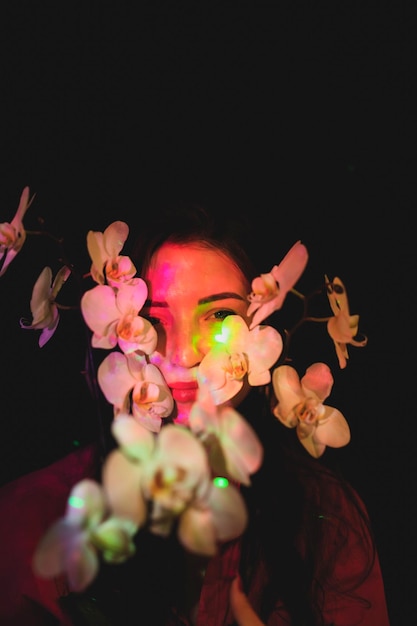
196	531
114	238
122	483
134	439
287	388
229	512
318	379
49	556
115	379
81	565
98	306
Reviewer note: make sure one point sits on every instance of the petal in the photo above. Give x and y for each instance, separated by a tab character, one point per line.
96	251
286	275
40	295
337	297
287	388
135	440
263	352
114	238
59	280
152	423
229	511
196	531
319	380
86	503
81	565
143	337
49	556
241	447
115	379
291	267
98	306
176	444
47	333
121	481
333	430
306	436
24	204
131	298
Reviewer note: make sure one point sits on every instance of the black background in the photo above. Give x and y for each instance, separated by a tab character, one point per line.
301	114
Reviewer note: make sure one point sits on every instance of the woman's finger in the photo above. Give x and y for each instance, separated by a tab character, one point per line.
241	608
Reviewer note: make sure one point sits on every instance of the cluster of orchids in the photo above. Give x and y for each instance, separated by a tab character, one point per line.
183	476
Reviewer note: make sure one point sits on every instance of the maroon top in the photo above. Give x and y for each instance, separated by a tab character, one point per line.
29	505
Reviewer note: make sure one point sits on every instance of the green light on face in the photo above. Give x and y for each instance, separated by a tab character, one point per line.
220	482
223	337
75	502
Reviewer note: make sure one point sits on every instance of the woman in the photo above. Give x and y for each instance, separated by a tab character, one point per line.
307	557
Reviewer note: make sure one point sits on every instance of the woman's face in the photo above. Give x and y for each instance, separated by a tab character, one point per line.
191	290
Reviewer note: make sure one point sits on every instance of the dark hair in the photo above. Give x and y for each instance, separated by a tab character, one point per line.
292	495
297	524
182	224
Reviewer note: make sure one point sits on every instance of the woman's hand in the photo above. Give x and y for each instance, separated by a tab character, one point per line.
241	609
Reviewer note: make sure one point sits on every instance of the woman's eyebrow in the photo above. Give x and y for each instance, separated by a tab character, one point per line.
212	298
221	296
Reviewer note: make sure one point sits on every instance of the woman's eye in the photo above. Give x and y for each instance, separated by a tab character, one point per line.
222	314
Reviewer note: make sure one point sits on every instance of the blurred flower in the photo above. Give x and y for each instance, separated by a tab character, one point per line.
13	235
129	383
270	290
343	327
104	248
112	315
239	352
300	405
42	304
72	545
171	471
233	447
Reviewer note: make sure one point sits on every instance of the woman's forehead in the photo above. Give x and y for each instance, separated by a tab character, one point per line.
193	267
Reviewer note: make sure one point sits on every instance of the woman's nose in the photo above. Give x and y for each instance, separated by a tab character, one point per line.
184	348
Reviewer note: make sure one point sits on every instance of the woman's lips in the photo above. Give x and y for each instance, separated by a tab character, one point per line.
184	392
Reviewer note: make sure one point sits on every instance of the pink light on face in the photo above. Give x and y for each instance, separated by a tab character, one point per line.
191	290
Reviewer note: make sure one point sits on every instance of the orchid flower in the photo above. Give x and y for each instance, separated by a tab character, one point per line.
300	405
171	471
13	235
232	445
73	544
343	327
104	248
238	352
112	315
129	381
270	290
42	304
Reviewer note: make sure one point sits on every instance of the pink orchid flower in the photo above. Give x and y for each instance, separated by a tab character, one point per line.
270	290
104	249
171	471
239	352
72	545
42	304
343	327
129	383
13	235
112	315
232	445
300	405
